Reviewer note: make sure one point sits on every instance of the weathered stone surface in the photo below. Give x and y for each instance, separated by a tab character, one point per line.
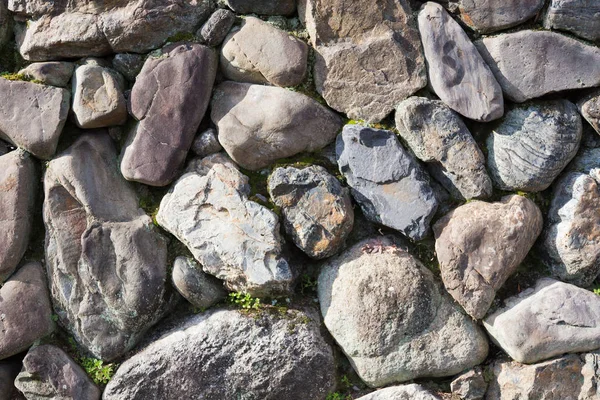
25	310
457	73
54	73
479	245
266	7
215	29
206	143
317	210
106	262
57	30
128	64
169	99
438	137
225	354
235	239
32	116
369	55
199	288
386	181
589	107
549	319
487	16
18	186
529	64
389	315
48	372
260	124
470	386
404	392
580	17
260	53
533	144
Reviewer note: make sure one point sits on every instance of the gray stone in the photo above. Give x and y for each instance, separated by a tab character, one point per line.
585	161
25	310
479	245
128	64
265	7
487	16
260	53
206	143
54	73
215	29
317	210
404	392
199	288
9	369
457	73
530	64
369	55
470	386
106	262
169	99
32	116
226	354
438	137
533	144
48	372
589	107
233	238
580	17
260	124
391	317
387	182
18	191
547	320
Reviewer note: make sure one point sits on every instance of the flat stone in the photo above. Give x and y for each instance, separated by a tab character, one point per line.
32	116
579	17
169	99
470	386
457	73
404	392
550	319
553	63
533	144
589	107
128	64
199	288
387	182
479	245
215	29
260	124
54	73
391	317
206	143
487	16
265	7
438	137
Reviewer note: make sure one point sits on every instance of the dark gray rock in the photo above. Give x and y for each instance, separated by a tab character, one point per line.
580	17
470	386
169	99
487	16
199	288
215	29
54	73
387	182
587	160
128	64
404	392
589	107
265	7
206	143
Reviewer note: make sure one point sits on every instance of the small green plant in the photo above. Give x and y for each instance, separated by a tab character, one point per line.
54	317
244	300
96	369
18	77
597	291
308	284
338	396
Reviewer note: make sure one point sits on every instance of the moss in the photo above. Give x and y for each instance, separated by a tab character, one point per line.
19	77
182	37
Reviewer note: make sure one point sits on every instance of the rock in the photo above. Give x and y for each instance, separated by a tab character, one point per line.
56	30
9	369
553	63
260	53
438	137
128	64
457	73
32	116
199	288
585	161
479	245
169	99
265	7
549	319
589	107
386	181
214	30
106	263
48	372
533	144
487	16
206	143
404	392
98	99
209	356
580	17
285	124
470	386
369	55
25	310
54	73
392	319
235	239
317	211
18	191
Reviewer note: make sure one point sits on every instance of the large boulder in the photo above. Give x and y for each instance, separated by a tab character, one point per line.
580	17
487	16
264	7
404	392
199	288
54	73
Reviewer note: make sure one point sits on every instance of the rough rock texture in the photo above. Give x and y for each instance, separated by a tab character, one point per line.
470	386
206	143
106	262
18	186
63	29
585	161
479	245
549	319
457	73
215	29
487	16
388	314
580	17
589	107
32	116
438	137
260	124
404	392
25	310
529	64
48	372
128	64
169	98
235	239
369	55
225	354
391	188
54	73
533	144
317	210
199	288
265	7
